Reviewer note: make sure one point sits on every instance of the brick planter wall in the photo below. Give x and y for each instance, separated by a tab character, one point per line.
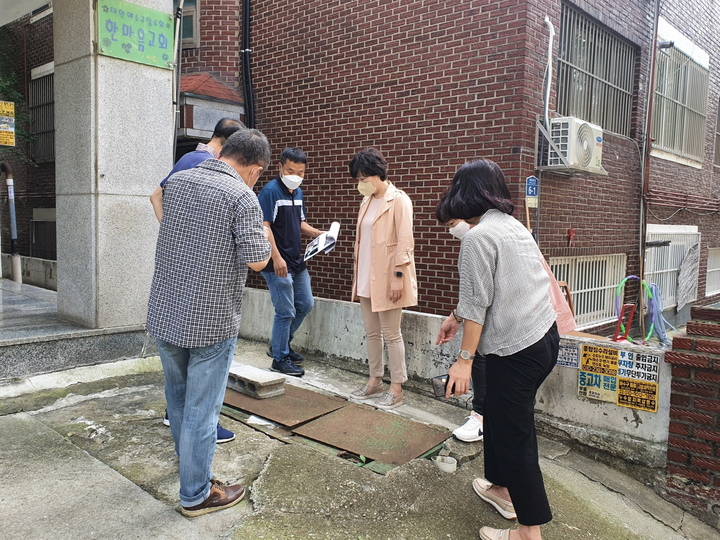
693	458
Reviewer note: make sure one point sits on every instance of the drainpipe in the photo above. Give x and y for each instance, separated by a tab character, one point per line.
645	163
246	72
176	73
15	258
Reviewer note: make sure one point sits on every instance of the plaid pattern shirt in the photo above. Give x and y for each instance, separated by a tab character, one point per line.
211	228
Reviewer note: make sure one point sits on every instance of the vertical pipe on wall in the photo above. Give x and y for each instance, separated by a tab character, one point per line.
246	71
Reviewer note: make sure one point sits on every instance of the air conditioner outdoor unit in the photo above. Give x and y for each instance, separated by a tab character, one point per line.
580	143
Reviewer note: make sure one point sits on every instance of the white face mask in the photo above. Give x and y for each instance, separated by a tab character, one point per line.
292	181
459	230
366	188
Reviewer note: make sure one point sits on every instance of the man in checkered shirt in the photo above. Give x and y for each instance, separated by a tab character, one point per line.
211	232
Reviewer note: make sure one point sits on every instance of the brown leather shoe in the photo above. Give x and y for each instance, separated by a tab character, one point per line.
220	497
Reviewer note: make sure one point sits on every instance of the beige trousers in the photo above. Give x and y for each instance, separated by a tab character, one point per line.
379	326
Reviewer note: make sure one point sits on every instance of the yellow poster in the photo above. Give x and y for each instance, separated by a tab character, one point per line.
7	123
598	373
638	381
638	394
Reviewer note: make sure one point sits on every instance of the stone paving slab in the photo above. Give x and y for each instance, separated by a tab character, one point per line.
52	490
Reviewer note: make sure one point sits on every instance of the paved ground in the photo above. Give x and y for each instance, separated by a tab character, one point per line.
84	455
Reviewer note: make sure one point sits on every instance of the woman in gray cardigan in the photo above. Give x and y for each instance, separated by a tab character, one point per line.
504	306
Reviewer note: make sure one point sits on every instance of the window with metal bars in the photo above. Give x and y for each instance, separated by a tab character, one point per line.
680	108
596	73
662	263
712	281
592	280
42	116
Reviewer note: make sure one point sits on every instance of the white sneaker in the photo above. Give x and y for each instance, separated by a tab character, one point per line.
472	430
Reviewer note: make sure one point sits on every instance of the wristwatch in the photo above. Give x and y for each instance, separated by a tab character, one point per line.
465	355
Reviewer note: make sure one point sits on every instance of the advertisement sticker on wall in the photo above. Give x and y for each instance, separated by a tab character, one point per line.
597	378
638	382
569	354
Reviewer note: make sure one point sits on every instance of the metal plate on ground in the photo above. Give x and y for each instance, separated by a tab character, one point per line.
377	435
294	407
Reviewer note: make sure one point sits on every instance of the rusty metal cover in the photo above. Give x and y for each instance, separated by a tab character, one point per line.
294	407
377	435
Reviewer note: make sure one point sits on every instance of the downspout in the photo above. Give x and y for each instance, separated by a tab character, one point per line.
645	166
546	116
176	73
246	72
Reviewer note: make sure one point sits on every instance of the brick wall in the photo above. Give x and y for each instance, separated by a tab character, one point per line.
219	50
431	87
693	459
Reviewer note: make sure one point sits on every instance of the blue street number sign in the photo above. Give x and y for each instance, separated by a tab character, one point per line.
532	192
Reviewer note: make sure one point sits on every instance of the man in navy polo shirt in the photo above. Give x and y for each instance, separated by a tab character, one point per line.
281	200
223	129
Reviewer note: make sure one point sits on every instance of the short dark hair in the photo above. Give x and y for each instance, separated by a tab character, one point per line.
226	127
247	147
369	162
476	187
296	155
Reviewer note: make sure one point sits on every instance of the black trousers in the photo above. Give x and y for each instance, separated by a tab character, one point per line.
478	381
511	453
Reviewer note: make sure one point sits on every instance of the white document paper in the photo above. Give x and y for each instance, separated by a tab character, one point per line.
323	243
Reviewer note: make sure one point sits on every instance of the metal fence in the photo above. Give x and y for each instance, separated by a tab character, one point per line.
662	264
680	108
592	280
596	73
42	115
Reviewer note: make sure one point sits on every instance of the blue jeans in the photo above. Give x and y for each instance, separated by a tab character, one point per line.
292	299
195	381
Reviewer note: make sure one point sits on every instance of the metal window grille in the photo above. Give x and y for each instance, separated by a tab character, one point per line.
662	264
717	137
592	280
596	72
712	282
42	116
44	240
680	108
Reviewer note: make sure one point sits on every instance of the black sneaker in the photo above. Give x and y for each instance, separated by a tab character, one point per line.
296	358
286	367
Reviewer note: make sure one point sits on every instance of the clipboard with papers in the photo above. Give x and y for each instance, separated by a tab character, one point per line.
324	243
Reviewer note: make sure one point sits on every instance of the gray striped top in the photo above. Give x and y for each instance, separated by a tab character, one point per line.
503	286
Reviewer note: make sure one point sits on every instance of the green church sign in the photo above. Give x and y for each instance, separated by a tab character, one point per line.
136	34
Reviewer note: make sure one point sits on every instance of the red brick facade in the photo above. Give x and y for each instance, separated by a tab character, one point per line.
434	86
693	459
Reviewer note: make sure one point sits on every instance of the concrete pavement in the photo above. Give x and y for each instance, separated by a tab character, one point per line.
84	455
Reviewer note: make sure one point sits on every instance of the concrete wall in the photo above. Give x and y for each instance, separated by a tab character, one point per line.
114	124
38	272
635	435
335	329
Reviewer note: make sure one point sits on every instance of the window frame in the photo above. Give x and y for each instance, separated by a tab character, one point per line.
712	272
194	12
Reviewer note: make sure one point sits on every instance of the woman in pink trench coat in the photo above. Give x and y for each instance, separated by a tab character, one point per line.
384	279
